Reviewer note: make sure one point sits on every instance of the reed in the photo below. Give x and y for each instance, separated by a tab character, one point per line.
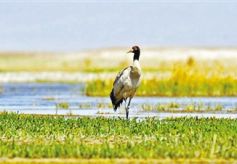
185	80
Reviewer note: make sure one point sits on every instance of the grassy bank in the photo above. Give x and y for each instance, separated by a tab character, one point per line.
28	136
185	80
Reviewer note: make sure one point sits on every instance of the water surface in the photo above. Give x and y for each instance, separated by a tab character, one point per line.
44	98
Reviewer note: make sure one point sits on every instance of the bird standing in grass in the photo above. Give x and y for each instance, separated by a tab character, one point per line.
127	82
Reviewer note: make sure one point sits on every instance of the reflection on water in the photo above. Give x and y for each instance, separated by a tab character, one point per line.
68	99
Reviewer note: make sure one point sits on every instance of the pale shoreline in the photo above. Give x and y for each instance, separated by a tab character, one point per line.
148	52
79	77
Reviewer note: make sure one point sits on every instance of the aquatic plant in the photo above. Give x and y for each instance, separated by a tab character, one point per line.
62	105
218	107
85	105
175	107
1	90
48	98
168	107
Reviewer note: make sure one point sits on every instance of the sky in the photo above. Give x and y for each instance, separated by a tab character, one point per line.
78	25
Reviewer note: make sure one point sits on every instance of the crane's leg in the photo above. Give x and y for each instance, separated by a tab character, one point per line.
128	106
125	102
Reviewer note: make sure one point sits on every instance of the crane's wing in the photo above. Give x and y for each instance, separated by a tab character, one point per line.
121	73
118	85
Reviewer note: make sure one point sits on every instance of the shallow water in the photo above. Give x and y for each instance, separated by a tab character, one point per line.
43	98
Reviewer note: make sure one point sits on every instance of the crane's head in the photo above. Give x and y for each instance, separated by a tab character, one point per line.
135	50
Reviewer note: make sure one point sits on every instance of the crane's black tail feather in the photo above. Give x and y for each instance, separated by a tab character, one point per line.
116	103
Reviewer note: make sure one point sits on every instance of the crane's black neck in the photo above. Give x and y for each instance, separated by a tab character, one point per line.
136	56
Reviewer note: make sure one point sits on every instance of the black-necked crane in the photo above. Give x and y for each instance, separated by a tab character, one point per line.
127	82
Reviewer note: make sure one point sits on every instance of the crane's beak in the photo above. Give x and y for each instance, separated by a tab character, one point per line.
130	51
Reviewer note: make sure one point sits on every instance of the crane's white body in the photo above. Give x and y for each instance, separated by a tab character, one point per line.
127	81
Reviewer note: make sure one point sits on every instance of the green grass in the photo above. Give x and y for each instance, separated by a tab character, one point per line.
29	136
109	161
